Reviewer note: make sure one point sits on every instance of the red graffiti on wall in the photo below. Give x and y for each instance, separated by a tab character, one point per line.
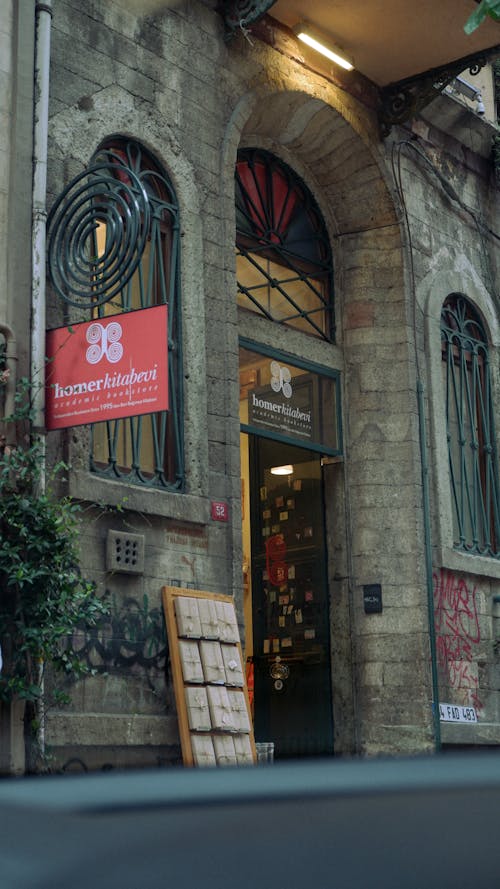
457	634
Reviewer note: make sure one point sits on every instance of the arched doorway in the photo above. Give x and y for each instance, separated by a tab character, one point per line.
332	149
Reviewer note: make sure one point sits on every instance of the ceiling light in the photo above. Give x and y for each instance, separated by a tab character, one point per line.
322	44
282	470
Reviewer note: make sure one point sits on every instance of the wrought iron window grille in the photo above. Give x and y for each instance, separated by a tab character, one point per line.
472	451
147	449
284	263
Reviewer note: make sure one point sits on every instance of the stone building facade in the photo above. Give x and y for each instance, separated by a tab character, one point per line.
409	603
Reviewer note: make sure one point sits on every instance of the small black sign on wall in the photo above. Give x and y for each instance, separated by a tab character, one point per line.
372	598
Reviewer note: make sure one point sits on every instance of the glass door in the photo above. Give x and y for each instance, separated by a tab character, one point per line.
286	597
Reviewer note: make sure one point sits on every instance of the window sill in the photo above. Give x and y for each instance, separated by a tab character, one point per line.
151	501
468	563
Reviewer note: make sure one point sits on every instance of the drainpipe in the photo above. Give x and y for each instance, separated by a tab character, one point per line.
43	22
43	13
428	564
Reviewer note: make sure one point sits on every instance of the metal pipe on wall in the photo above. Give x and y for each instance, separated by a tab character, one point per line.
428	565
43	23
43	14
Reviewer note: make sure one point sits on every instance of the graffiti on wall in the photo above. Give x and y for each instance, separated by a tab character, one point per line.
131	636
458	635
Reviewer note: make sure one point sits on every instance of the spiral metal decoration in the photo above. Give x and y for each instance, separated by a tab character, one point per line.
405	99
477	65
97	231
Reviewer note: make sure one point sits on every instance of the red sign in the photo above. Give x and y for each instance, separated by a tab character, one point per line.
107	369
220	511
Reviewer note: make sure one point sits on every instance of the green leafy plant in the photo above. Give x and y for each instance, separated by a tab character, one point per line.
486	8
43	597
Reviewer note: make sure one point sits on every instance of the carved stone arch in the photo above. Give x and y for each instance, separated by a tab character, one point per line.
461	278
116	113
332	145
339	157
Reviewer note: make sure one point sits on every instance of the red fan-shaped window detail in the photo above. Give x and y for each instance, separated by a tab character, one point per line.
269	199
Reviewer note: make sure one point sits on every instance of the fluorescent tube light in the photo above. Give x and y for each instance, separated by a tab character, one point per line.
332	52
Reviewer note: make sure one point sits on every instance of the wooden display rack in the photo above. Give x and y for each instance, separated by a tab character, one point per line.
213	708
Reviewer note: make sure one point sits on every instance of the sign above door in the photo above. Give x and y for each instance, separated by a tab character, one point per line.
290	400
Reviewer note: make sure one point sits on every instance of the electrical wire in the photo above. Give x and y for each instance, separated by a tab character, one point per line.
398	180
482	228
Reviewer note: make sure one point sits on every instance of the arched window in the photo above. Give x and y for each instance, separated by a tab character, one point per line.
144	449
473	460
283	255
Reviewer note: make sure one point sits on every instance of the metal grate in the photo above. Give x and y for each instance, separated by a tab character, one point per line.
146	450
125	552
82	275
283	258
472	454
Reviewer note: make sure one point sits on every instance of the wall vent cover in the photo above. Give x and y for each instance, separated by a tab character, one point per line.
125	552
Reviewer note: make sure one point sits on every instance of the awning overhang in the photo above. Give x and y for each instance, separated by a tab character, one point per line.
407	53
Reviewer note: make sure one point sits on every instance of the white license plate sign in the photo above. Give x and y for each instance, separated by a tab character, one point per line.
454	713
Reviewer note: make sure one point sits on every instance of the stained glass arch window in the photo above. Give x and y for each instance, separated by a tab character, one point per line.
284	266
470	427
